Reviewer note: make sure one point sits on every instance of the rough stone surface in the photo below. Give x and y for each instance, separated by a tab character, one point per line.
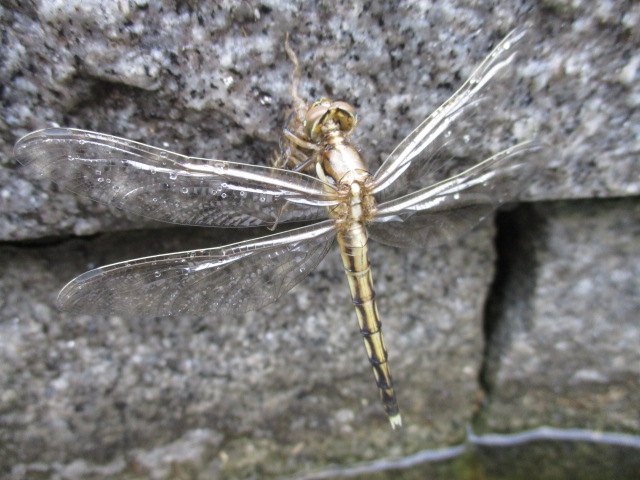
566	342
292	377
287	389
212	81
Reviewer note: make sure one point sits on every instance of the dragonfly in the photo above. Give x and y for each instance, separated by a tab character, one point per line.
317	177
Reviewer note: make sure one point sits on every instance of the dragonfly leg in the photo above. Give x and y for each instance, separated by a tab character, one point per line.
296	140
286	158
299	105
282	210
304	164
296	151
291	152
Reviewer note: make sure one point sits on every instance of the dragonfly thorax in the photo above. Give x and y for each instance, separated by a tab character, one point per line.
342	162
357	207
329	124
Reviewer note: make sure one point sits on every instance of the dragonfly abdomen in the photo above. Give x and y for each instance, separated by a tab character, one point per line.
355	259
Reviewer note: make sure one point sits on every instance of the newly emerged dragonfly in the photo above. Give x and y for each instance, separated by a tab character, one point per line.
403	203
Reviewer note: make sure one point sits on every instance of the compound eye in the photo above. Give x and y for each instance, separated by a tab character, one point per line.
344	114
345	107
315	113
314	117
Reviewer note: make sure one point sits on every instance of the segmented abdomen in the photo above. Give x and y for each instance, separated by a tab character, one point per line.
355	259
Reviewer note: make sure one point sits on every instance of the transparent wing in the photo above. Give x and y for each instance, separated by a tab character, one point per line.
170	187
456	131
234	278
442	212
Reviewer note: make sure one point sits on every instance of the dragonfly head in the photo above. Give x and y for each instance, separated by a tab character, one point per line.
326	115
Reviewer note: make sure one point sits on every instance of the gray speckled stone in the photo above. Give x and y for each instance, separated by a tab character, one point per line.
287	378
213	82
565	350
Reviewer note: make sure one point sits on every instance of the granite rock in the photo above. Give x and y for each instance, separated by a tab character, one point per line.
286	378
213	81
565	342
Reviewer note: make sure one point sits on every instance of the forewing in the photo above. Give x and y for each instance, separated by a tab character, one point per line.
170	187
442	212
230	279
455	133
